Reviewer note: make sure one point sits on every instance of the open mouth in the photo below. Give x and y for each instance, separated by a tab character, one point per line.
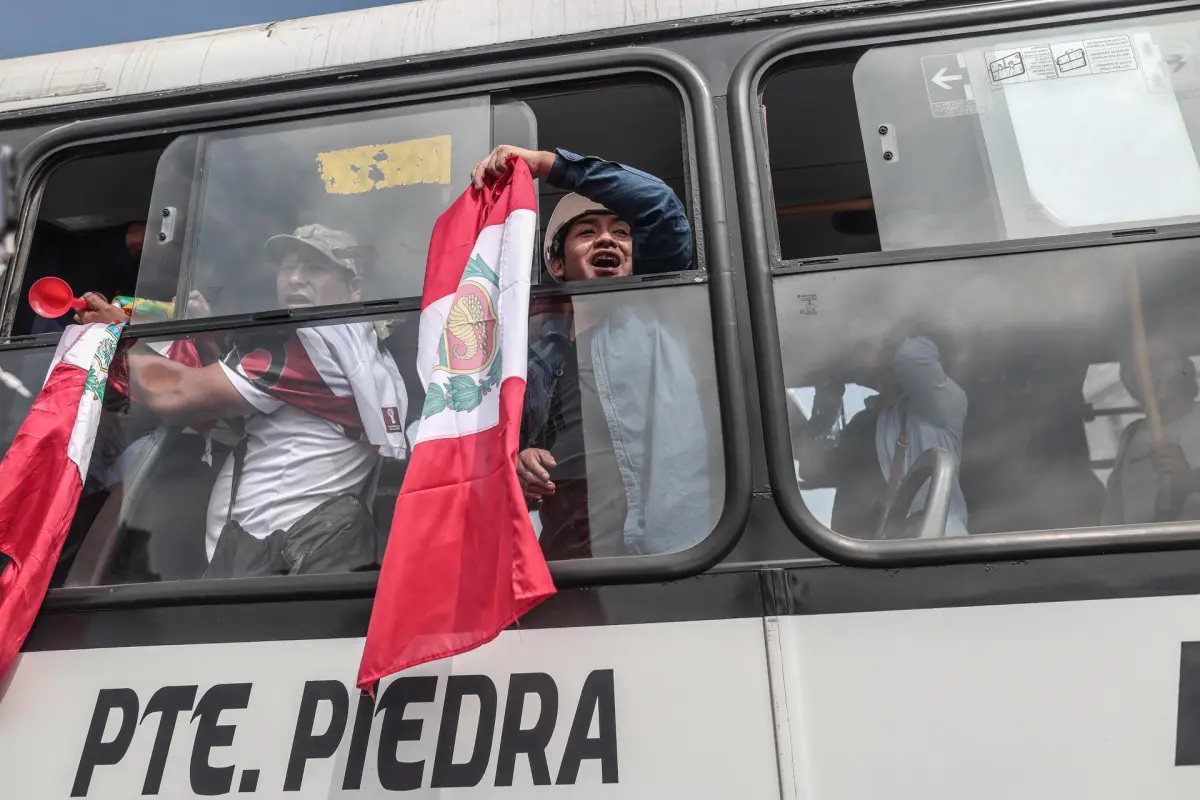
608	262
294	300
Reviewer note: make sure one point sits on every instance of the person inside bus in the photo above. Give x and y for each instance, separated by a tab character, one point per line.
918	407
317	406
1156	482
613	452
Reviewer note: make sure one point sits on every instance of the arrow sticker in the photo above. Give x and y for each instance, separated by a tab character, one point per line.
948	85
943	80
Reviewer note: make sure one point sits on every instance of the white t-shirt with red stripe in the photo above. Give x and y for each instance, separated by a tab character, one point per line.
309	439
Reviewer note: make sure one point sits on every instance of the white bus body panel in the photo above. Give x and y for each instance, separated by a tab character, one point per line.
333	41
1045	700
692	713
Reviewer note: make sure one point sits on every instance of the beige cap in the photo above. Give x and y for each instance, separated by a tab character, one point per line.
337	247
569	209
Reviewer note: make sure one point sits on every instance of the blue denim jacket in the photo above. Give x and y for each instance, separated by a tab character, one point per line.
662	235
650	398
653	411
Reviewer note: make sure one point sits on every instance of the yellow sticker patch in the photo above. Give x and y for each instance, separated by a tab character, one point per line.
384	166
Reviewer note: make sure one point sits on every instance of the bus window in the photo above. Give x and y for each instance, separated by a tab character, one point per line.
1064	130
1056	131
1023	368
379	177
643	371
626	409
201	490
90	230
621	407
622	475
818	172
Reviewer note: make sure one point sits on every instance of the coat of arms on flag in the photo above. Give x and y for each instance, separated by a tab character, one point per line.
468	346
106	350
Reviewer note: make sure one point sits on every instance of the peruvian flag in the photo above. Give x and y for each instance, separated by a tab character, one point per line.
463	562
42	474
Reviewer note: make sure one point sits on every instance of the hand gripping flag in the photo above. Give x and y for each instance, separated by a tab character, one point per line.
41	476
462	561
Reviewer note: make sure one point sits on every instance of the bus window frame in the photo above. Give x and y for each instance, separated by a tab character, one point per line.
41	341
702	162
763	263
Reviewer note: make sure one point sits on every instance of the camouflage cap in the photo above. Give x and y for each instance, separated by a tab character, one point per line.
336	247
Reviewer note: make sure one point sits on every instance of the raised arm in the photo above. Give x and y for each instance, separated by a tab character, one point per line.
662	235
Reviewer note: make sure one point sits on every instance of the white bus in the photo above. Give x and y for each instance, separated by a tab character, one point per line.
1005	193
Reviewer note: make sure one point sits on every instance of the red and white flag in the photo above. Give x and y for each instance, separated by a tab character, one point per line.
462	561
41	476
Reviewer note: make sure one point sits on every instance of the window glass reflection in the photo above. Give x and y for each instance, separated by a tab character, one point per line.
379	178
1023	368
621	411
1005	136
250	453
993	129
227	453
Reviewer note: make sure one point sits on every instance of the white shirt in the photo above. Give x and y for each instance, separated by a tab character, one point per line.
294	462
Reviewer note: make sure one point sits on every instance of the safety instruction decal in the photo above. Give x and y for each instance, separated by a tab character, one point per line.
1040	62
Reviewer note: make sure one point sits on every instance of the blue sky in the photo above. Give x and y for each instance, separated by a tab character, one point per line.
29	27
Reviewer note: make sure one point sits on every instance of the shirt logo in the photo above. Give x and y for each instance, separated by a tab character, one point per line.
392	421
